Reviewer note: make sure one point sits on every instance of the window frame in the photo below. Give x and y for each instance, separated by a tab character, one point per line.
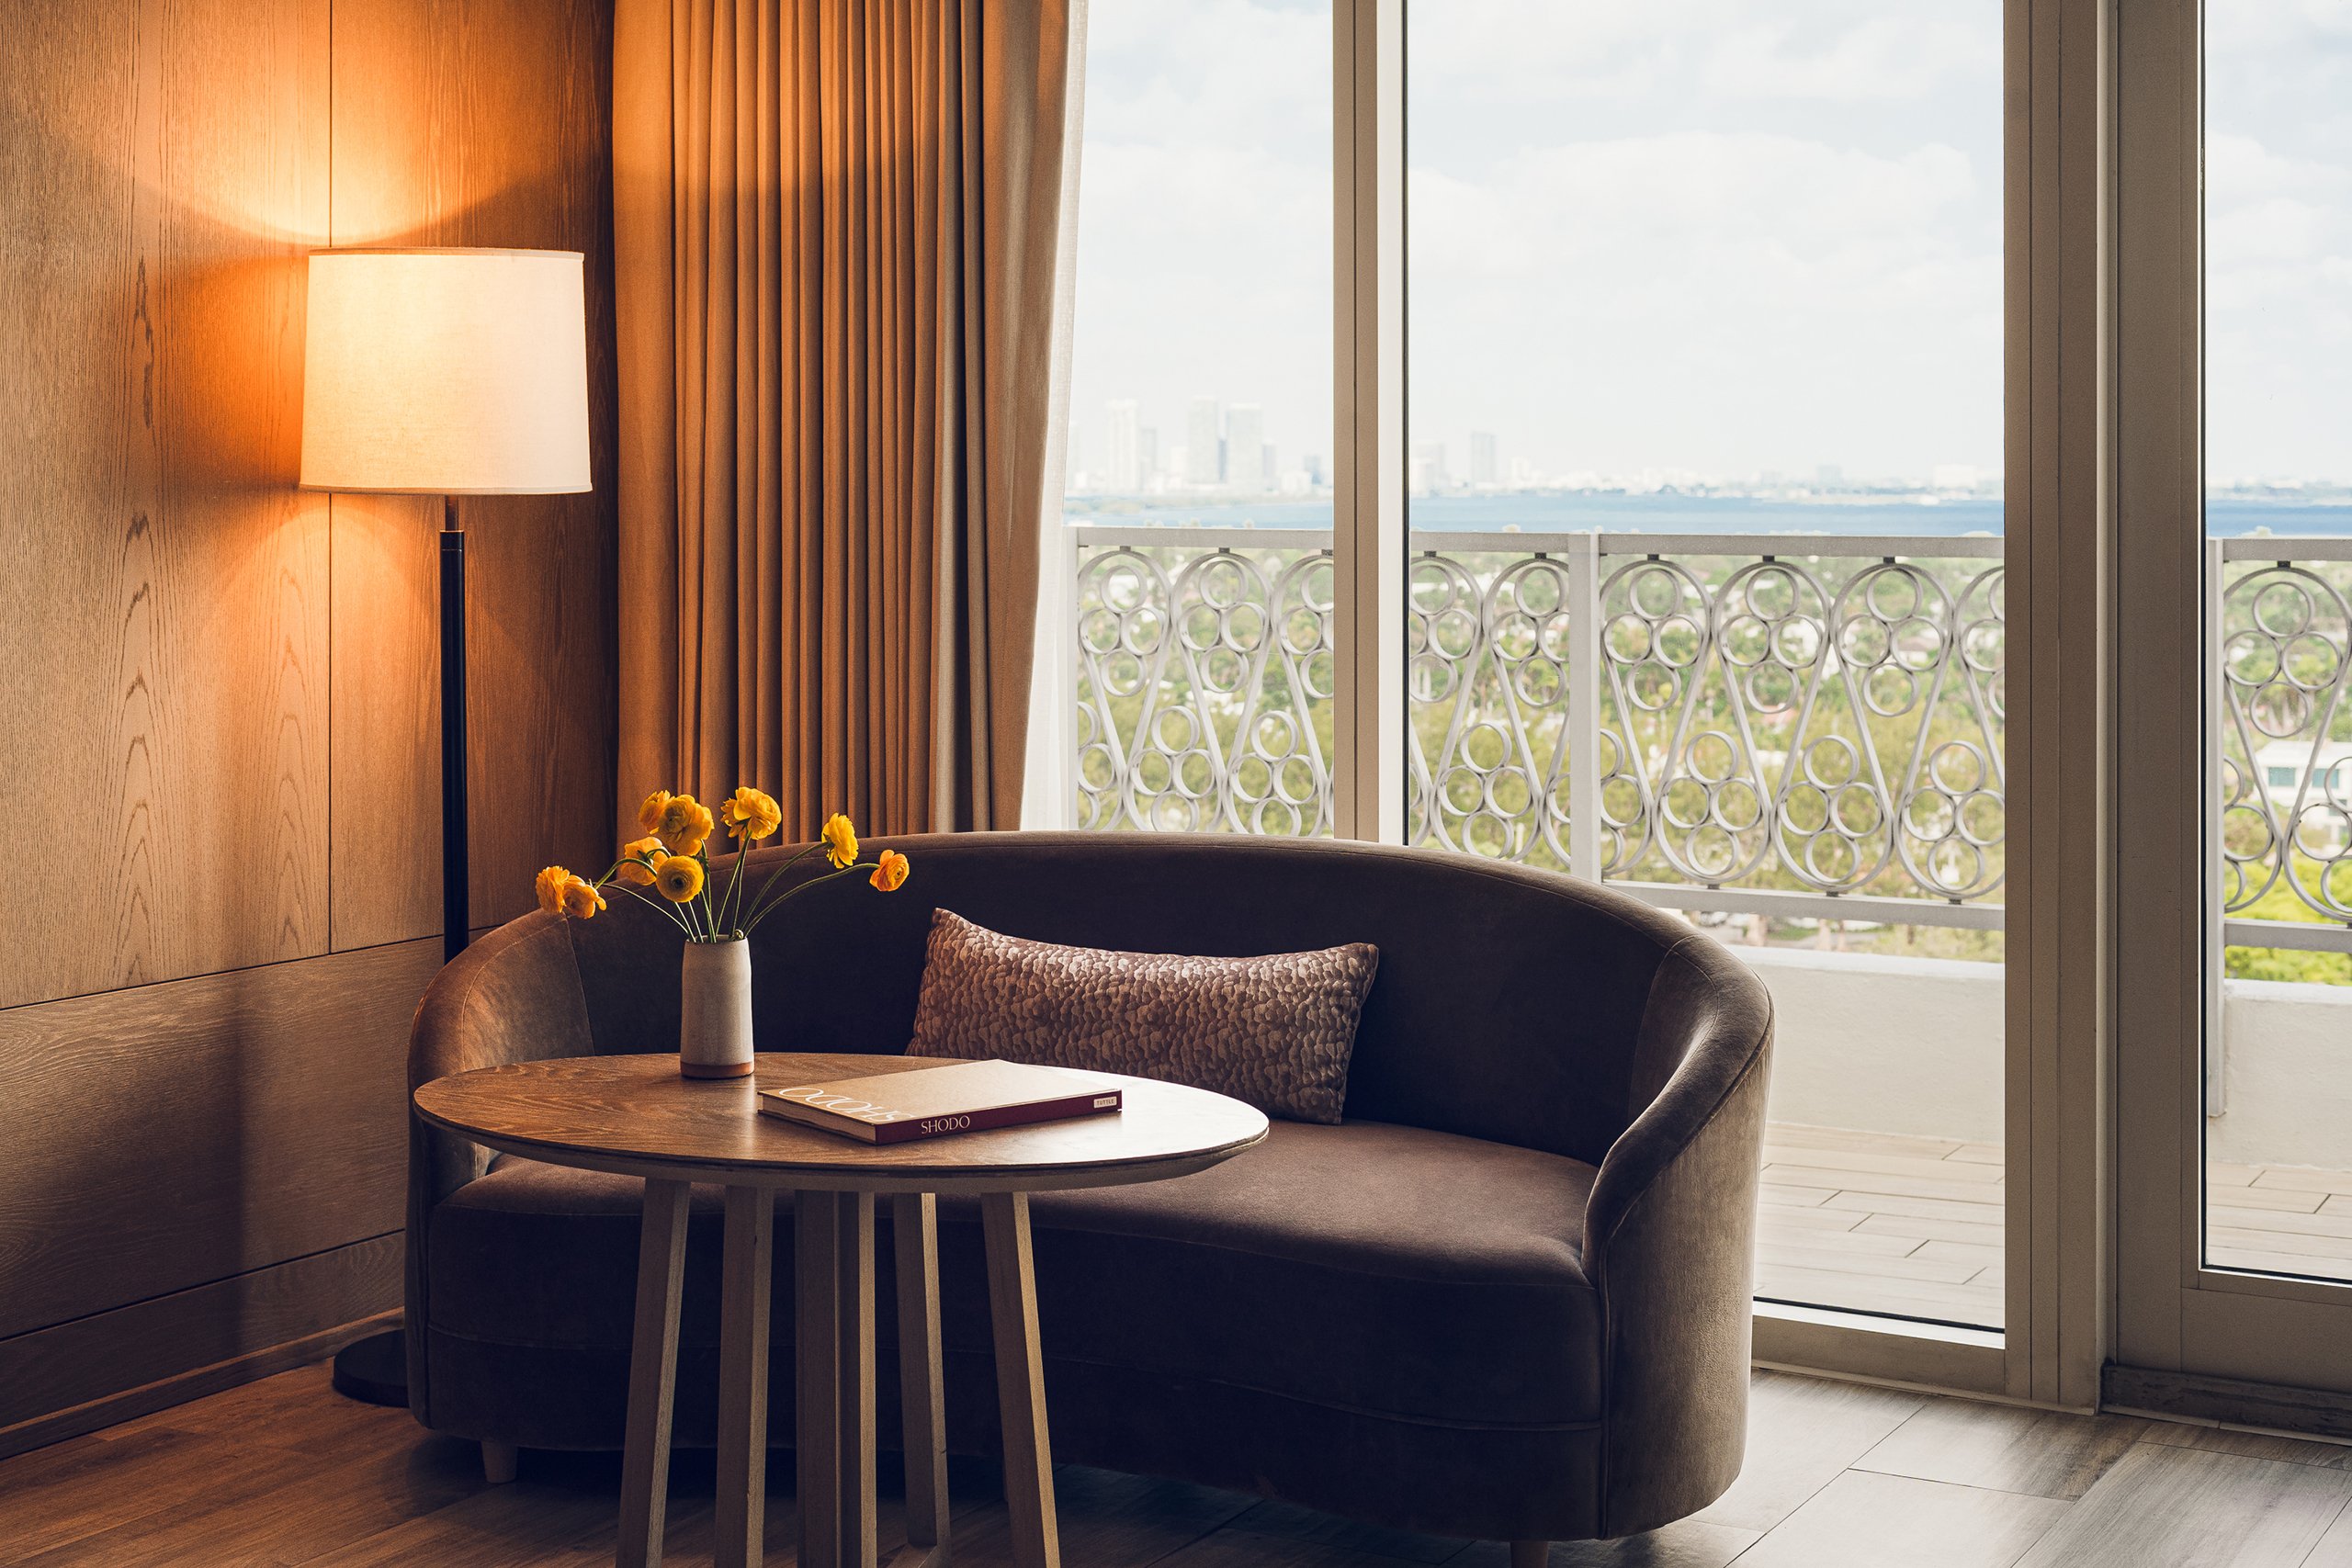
2058	384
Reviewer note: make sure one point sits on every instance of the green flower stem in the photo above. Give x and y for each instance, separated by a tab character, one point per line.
805	850
709	915
668	910
735	883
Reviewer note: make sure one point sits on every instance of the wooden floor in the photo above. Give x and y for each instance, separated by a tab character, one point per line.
1888	1223
287	1473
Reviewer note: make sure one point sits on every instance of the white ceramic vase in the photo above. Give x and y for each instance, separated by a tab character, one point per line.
715	1022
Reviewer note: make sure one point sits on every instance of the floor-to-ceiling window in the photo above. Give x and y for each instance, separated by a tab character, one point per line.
1706	519
2278	298
1705	498
1200	436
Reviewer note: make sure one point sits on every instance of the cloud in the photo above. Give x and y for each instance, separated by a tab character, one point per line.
1684	233
2278	240
1717	301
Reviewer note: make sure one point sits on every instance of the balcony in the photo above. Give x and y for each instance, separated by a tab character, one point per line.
1796	741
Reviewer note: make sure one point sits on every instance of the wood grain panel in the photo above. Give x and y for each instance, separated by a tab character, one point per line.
480	124
387	737
127	1408
160	1137
90	1358
216	691
164	661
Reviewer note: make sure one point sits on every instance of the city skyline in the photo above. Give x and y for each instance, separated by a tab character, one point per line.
1118	453
1678	238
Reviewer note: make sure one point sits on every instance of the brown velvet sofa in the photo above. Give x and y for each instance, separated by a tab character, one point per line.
1507	1298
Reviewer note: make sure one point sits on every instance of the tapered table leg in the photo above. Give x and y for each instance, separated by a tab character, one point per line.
815	1248
833	1305
652	1374
1020	1382
914	1235
853	1320
746	1270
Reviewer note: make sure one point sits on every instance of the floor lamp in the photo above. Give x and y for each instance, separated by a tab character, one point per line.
442	372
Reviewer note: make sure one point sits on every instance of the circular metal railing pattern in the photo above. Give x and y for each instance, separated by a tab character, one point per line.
2284	776
1825	724
1821	725
1200	680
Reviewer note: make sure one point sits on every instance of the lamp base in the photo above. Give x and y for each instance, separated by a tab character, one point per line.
374	1371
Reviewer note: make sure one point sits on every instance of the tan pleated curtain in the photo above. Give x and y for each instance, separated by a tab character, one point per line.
834	230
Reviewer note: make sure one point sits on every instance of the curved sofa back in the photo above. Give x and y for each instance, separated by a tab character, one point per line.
1509	1003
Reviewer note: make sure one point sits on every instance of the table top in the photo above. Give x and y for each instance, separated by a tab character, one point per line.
636	1115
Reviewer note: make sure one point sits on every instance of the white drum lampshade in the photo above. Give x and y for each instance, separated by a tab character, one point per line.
446	372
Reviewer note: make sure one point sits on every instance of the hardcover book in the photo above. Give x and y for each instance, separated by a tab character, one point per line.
932	1103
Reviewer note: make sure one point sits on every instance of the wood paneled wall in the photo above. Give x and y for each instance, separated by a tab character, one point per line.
218	730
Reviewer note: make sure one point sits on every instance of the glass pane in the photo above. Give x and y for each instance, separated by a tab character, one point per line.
1705	382
1199	431
2278	463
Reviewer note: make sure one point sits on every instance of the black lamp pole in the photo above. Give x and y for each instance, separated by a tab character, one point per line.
457	914
382	328
375	1369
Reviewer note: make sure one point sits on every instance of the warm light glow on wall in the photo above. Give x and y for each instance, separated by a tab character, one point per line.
446	372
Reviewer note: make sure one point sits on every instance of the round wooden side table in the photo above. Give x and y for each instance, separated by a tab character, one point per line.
635	1116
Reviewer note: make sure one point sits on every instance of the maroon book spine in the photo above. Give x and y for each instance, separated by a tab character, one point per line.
998	1116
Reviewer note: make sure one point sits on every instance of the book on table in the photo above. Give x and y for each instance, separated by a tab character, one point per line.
932	1103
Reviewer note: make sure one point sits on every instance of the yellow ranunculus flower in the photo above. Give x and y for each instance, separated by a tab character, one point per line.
685	823
649	816
639	850
891	871
581	901
679	878
751	815
840	840
550	886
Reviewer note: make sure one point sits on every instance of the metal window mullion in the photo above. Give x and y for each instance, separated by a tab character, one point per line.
2216	965
1368	417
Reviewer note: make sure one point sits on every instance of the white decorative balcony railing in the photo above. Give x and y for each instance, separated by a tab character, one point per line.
1804	726
2281	618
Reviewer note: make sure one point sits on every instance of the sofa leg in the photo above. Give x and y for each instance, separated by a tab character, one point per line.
1530	1553
498	1464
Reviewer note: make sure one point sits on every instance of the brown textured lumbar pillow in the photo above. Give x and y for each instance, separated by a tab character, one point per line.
1273	1031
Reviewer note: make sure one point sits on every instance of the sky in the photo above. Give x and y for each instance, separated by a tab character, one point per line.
2278	240
1692	236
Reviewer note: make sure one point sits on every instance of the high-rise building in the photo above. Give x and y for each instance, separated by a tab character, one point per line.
1147	455
1482	457
1123	472
1203	446
1427	472
1245	449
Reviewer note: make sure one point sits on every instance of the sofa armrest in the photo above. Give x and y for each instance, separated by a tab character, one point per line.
514	996
1670	1238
